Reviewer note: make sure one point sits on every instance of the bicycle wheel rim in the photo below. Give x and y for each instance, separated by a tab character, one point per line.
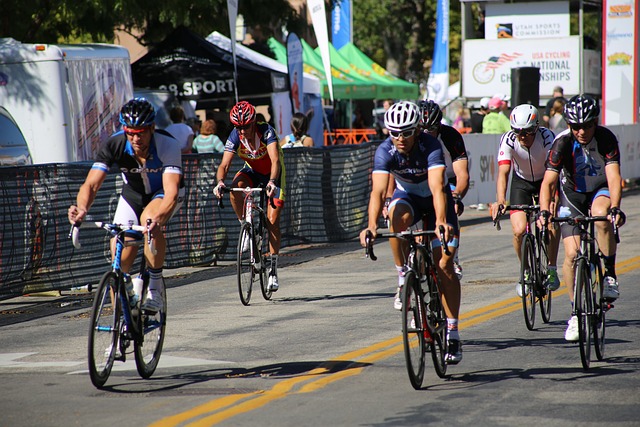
437	322
528	264
599	327
583	309
544	293
245	266
413	324
264	280
148	347
103	330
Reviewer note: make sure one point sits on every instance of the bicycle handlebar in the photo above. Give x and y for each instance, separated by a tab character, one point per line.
406	235
581	219
502	209
74	233
245	190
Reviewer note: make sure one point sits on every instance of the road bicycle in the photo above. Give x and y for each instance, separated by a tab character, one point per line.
251	258
589	306
116	318
424	322
534	261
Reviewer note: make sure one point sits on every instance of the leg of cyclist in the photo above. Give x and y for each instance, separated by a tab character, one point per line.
273	216
518	225
400	218
607	243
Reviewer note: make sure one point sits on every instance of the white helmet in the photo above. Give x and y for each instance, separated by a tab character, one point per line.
524	116
403	115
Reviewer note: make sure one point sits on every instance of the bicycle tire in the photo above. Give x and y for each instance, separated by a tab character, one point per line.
148	347
437	322
245	268
600	313
104	329
413	329
545	295
528	283
583	308
264	242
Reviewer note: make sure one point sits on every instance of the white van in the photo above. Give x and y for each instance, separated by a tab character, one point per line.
65	98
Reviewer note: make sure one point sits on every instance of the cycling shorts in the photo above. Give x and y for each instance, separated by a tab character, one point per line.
254	179
132	204
573	203
522	191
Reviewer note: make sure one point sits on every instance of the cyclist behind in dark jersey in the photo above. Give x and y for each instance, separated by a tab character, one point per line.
257	144
455	157
416	161
525	147
587	158
151	166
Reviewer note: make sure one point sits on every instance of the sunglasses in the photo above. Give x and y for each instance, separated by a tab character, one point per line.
433	128
135	131
586	126
405	133
524	132
245	127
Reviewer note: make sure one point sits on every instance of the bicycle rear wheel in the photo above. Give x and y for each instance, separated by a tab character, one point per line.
437	322
246	272
528	274
104	329
264	243
413	329
147	349
583	305
544	293
600	310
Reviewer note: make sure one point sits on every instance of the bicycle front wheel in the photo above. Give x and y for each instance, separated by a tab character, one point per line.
600	310
544	293
583	305
262	268
437	322
148	347
413	329
245	264
528	274
104	329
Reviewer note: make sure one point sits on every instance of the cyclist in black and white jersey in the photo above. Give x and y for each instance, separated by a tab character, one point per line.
151	166
586	157
525	148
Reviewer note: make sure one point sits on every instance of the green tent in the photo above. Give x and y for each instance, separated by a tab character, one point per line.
388	85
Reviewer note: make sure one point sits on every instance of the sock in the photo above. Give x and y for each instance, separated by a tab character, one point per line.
610	265
401	271
155	279
452	329
274	265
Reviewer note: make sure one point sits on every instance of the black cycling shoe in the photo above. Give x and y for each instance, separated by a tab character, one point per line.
454	352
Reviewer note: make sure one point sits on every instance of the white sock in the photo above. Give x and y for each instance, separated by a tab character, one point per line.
155	280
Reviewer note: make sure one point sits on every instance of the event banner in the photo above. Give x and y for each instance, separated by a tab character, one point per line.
294	65
620	62
341	23
319	20
533	20
438	82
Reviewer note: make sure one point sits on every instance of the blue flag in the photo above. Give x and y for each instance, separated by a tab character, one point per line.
341	23
438	83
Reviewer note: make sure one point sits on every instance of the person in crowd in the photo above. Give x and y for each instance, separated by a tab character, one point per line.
415	160
478	116
151	166
256	144
588	156
382	131
208	141
358	120
180	130
558	93
299	129
557	123
525	148
495	122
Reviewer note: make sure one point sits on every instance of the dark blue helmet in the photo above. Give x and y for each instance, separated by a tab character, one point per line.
137	113
581	109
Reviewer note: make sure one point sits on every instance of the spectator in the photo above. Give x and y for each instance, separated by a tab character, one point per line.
299	137
382	130
495	122
358	121
558	92
478	116
557	123
505	103
180	130
208	141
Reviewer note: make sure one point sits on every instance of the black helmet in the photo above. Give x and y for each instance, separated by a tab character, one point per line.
431	114
581	109
137	113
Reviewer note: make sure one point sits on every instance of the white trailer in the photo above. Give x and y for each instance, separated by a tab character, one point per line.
65	98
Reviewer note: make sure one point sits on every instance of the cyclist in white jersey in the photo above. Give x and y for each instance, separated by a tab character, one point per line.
525	148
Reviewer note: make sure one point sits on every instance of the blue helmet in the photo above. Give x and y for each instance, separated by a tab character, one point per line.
138	112
581	109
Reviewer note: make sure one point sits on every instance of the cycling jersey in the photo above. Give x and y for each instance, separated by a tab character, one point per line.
254	153
410	171
582	166
528	163
453	149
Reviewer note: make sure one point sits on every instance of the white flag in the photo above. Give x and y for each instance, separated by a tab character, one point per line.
319	19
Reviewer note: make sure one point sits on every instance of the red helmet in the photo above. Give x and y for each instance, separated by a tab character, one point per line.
242	114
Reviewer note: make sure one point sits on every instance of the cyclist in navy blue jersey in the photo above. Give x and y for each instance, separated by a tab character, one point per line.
416	162
586	157
151	166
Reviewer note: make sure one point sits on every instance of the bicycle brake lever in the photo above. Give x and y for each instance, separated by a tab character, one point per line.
445	248
368	247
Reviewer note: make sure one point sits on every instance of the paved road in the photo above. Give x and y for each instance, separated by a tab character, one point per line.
327	351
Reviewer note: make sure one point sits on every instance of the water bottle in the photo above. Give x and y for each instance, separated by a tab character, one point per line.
137	287
130	292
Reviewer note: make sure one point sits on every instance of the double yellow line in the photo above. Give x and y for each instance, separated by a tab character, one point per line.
221	409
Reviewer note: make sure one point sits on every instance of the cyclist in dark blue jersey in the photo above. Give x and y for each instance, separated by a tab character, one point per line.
587	159
416	161
151	166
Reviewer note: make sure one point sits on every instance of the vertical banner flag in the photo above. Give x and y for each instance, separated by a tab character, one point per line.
294	65
620	62
341	23
232	8
319	20
438	82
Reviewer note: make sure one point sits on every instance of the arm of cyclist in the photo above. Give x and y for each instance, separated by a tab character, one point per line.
379	187
162	214
501	189
273	151
547	197
614	182
461	170
221	173
391	187
436	185
86	195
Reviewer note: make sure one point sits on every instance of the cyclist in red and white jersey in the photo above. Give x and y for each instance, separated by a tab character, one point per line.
524	148
257	144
